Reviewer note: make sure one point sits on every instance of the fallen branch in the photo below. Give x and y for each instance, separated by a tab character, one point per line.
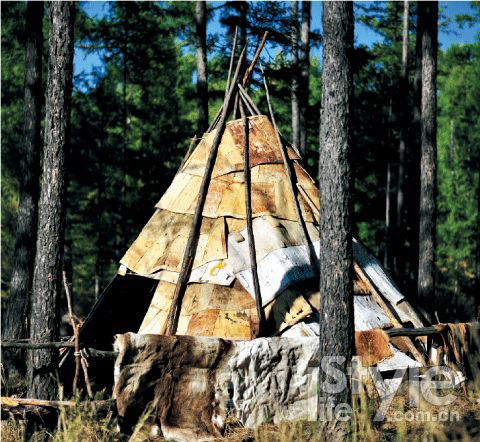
13	402
37	345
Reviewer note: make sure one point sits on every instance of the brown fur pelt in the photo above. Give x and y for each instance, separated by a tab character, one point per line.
372	346
461	346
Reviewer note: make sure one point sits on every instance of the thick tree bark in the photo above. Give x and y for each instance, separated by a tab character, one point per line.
15	318
414	184
47	280
400	220
335	177
295	76
304	73
428	162
201	51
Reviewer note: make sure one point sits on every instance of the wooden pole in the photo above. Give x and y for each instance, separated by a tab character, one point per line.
288	172
391	314
255	58
12	402
232	57
251	110
77	354
248	99
248	210
187	155
37	345
190	247
412	332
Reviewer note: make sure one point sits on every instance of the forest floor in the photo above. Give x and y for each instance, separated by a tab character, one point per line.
458	421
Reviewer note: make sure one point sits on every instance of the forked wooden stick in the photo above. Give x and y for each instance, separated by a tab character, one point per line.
78	356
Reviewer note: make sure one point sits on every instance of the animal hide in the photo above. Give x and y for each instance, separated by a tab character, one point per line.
372	346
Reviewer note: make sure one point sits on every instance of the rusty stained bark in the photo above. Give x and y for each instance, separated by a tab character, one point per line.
47	281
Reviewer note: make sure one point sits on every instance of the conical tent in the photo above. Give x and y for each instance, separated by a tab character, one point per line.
219	299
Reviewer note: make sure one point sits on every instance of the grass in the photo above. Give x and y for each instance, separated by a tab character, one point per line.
84	425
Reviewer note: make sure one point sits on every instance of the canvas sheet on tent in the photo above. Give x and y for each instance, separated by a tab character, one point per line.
219	299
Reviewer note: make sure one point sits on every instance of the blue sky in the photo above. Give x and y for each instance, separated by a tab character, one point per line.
84	63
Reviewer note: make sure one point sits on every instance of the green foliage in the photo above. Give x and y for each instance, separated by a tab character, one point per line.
132	122
458	170
12	124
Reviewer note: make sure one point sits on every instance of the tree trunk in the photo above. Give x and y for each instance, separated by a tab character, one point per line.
414	185
14	320
201	48
47	280
389	213
428	161
477	253
335	177
304	71
243	5
295	77
400	221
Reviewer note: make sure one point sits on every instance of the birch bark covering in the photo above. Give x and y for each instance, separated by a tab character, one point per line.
428	184
295	77
304	73
14	321
336	309
201	52
47	279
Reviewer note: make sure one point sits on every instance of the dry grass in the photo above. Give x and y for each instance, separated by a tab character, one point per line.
85	426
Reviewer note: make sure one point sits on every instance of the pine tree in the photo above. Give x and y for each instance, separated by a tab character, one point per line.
304	63
201	53
295	76
336	309
47	281
14	320
428	162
